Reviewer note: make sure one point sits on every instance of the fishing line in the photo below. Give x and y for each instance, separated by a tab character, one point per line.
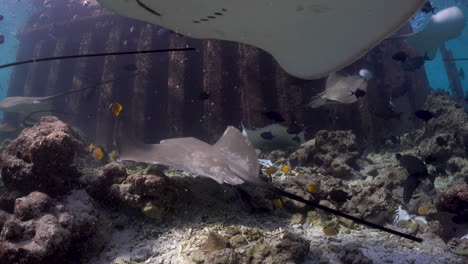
94	55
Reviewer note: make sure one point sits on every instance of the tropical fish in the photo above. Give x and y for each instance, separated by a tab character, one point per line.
422	210
98	153
358	93
270	170
285	169
312	188
113	155
330	231
400	56
427	8
417	171
115	108
277	203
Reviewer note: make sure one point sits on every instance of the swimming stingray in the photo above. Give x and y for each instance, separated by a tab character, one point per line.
341	89
309	39
231	160
445	25
281	138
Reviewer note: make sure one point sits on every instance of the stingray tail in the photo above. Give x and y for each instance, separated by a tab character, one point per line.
339	213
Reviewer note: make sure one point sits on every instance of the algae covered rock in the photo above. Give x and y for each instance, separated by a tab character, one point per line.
41	158
454	200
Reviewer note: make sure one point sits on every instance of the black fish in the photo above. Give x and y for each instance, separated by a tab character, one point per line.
427	8
2	39
425	115
267	135
204	95
417	171
339	196
297	139
130	67
400	56
462	74
415	63
358	93
1	17
430	159
275	116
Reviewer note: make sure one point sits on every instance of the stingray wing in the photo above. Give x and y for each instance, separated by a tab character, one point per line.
309	39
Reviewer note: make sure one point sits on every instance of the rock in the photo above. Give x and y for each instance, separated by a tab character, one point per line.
459	246
291	248
238	241
351	253
41	158
31	206
215	242
56	232
223	256
454	200
258	252
100	187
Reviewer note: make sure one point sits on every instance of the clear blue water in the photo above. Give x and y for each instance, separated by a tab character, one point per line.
435	69
16	14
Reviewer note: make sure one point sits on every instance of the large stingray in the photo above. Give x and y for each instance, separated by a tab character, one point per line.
231	160
309	38
339	90
445	25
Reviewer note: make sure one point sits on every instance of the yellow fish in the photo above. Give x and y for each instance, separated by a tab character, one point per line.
115	108
98	153
113	155
286	169
270	170
422	210
312	188
91	147
277	203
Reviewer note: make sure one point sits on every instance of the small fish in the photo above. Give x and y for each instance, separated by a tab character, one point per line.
425	115
91	147
430	159
358	93
415	63
267	135
115	108
130	67
98	153
296	139
1	17
461	73
277	203
113	155
285	169
270	170
274	116
422	210
312	188
400	56
204	95
428	8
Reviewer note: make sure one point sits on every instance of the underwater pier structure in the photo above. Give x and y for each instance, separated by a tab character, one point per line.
453	75
160	92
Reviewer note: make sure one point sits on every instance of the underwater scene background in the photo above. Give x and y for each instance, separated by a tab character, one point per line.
208	151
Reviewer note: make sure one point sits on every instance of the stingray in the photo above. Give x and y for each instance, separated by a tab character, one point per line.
231	160
309	39
339	90
281	140
447	24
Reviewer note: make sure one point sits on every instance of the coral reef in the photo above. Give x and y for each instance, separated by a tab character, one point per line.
454	200
41	159
43	230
